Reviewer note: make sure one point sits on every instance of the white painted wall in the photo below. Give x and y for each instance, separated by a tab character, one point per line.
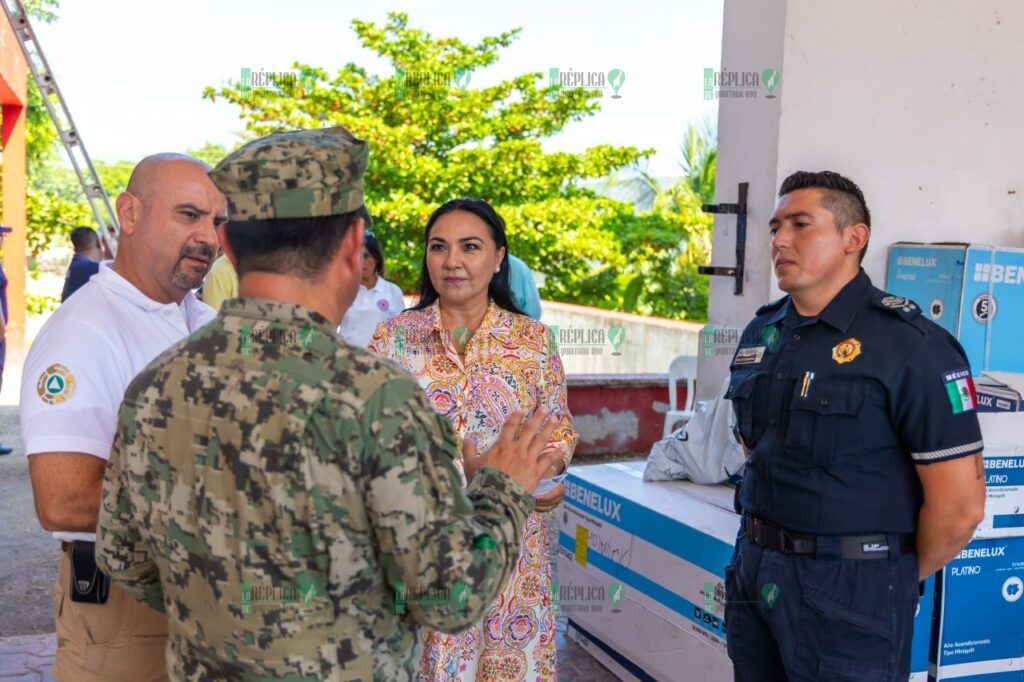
648	344
919	103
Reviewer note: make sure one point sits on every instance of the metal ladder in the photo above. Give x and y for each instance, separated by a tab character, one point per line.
61	116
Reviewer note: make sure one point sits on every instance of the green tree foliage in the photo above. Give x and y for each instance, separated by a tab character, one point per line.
209	153
42	10
51	217
700	160
435	137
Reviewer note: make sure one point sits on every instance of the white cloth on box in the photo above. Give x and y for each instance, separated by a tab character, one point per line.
704	450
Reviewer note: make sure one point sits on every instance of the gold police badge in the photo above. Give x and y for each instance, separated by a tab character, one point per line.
846	351
56	384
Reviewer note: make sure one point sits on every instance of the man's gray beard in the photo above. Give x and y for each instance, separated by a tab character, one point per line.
184	281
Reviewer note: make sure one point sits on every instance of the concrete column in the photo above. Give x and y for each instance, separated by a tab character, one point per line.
748	143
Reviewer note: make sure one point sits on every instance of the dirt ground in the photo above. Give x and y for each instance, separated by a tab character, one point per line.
28	555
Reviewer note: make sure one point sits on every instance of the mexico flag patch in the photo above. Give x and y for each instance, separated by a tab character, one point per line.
960	390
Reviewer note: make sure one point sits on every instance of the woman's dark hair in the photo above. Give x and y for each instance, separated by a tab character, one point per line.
372	245
500	289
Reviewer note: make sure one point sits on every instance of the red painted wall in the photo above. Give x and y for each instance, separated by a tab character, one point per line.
619	412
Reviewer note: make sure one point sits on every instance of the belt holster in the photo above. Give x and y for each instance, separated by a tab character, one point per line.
88	583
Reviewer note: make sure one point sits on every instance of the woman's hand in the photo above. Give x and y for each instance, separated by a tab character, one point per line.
550	500
519	450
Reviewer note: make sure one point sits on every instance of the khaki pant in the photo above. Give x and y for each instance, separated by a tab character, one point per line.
121	640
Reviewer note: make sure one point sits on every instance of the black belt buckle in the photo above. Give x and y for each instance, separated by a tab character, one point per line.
753	527
779	539
786	544
762	534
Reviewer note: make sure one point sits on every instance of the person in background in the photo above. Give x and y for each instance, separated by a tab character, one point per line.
86	261
479	360
524	288
222	281
378	299
4	230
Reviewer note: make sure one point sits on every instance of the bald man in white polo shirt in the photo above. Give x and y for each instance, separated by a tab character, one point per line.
74	379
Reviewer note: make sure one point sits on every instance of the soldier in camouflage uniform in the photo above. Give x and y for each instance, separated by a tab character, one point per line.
288	500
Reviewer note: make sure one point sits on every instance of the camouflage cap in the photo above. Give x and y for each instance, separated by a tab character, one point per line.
298	174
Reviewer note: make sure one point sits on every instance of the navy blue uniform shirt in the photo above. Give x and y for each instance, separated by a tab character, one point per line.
3	292
79	272
836	410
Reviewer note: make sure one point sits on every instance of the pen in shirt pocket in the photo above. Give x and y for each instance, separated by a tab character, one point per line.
806	387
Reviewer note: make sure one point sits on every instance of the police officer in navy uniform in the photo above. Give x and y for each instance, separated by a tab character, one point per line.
864	474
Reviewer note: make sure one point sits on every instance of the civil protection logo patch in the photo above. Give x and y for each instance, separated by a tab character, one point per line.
56	384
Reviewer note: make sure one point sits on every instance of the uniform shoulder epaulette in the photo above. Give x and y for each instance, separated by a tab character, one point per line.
771	307
902	307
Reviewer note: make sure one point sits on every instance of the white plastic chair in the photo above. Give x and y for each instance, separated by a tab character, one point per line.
683	367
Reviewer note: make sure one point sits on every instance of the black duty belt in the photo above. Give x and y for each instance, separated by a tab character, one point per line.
874	546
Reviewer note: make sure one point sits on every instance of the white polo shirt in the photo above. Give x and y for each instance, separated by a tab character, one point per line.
371	307
84	358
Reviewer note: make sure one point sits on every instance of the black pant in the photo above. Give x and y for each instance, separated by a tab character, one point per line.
819	617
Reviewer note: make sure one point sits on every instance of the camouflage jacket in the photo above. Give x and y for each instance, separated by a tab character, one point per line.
291	503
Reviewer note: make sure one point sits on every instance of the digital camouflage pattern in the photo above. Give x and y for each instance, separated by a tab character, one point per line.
298	174
292	503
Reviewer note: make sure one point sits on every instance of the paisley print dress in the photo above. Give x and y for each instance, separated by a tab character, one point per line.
509	364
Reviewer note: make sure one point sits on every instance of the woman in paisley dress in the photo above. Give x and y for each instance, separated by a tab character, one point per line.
479	360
